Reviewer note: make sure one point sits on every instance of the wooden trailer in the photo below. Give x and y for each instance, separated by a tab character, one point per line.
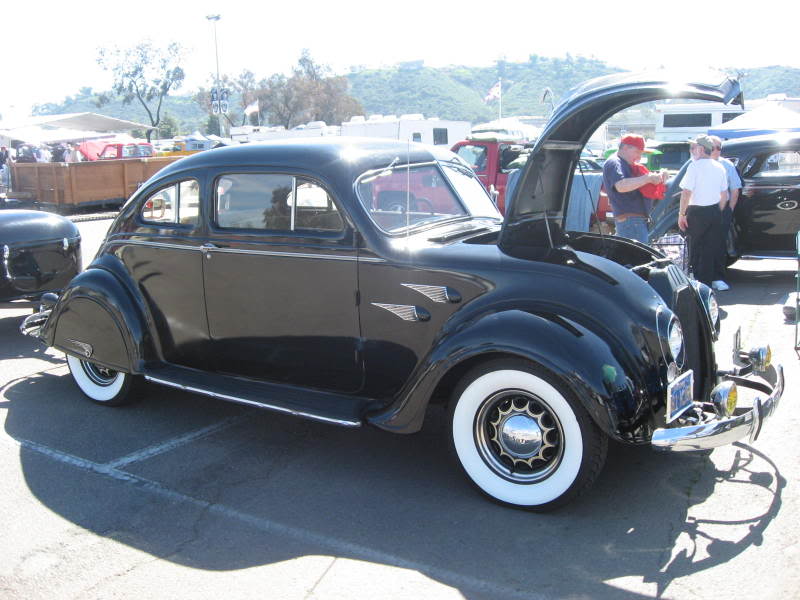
66	187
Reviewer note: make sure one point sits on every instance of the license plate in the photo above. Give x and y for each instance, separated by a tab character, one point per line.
680	394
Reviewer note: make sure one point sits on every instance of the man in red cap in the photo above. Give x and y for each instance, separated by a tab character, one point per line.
622	185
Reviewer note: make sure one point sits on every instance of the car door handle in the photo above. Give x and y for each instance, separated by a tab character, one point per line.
206	247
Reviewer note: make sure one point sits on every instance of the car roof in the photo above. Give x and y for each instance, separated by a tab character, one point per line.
780	140
341	155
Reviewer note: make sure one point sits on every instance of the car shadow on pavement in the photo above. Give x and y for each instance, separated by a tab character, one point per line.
23	346
759	288
259	488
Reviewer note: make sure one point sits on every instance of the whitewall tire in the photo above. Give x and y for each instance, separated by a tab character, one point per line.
104	386
522	437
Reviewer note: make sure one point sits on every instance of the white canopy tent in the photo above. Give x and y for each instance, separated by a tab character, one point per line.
57	128
767	118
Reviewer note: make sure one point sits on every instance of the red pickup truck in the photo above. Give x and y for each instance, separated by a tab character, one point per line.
490	157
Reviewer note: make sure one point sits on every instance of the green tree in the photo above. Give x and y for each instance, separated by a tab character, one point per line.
145	74
212	125
281	98
312	93
169	126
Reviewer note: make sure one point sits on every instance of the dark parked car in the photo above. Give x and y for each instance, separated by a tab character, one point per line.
359	281
41	252
767	215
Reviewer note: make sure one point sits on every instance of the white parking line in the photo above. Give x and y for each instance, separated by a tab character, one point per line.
337	546
175	442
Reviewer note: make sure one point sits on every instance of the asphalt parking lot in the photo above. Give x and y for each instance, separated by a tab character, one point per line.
181	496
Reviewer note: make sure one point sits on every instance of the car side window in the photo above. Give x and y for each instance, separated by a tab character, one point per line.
780	164
315	209
177	203
267	201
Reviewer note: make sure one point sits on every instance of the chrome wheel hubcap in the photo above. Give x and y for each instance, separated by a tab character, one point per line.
518	436
102	376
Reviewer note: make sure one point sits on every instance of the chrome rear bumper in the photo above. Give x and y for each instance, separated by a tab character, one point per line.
720	432
32	325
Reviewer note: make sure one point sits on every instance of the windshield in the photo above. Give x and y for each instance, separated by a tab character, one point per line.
402	198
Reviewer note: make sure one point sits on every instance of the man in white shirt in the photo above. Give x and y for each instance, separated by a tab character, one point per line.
703	196
734	185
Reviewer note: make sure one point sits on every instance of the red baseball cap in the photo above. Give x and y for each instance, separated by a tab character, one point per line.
633	140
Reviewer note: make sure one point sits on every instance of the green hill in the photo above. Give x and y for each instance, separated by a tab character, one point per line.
183	108
454	92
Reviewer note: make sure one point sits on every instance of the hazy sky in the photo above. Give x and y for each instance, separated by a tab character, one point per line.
50	48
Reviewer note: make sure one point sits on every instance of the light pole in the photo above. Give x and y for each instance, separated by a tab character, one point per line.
214	19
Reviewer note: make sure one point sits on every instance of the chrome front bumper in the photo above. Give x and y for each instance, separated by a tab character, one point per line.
720	432
709	433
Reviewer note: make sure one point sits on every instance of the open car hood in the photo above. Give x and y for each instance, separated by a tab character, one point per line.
535	214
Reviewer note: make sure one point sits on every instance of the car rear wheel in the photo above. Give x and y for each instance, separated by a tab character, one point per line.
101	384
523	438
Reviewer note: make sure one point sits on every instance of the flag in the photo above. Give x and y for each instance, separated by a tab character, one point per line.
495	92
251	108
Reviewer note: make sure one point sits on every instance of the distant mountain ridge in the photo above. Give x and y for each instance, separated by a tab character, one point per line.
455	92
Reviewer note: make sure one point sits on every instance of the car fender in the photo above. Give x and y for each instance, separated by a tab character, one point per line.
577	356
97	316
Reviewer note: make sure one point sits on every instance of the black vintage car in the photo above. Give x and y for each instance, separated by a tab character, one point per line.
767	215
41	253
359	281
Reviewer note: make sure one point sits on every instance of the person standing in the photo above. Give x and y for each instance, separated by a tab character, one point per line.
631	209
73	154
734	185
704	192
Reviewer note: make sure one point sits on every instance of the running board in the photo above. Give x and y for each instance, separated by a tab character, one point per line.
328	407
768	257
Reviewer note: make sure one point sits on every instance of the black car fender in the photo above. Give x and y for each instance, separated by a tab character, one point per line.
97	316
575	355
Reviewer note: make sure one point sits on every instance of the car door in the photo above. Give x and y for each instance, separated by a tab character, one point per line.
769	217
162	254
280	272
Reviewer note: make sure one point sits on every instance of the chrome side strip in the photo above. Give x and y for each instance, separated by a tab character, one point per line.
152	244
760	257
238	400
239	251
284	254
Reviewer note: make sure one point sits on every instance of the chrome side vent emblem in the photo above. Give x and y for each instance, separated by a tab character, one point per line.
85	349
437	293
405	311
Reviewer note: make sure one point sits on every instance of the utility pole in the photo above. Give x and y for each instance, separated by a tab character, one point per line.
214	19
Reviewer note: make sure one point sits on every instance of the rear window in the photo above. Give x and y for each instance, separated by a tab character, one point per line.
175	204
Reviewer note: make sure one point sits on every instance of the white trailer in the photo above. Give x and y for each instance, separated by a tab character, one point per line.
253	133
413	128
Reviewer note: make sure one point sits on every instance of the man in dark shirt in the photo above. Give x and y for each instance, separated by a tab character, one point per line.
630	207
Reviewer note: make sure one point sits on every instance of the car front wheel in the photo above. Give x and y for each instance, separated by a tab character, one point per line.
101	384
523	438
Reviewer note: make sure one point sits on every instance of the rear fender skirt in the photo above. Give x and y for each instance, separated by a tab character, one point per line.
576	355
97	319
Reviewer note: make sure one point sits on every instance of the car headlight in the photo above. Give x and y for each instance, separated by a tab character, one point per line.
710	303
675	338
713	308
